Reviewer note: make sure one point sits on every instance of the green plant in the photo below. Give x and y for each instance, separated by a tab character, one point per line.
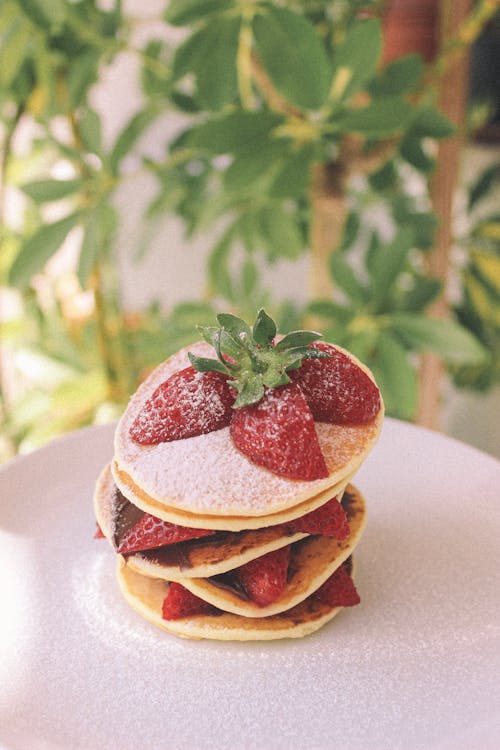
479	308
287	106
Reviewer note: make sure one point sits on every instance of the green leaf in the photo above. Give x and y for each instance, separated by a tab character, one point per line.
387	264
430	123
39	248
234	325
44	191
155	70
14	46
185	12
129	136
250	392
453	343
218	266
344	277
82	73
355	60
293	55
350	231
264	329
395	376
399	77
412	150
205	364
423	292
331	311
249	278
487	266
483	184
230	133
90	247
280	233
292	179
45	13
89	129
297	338
250	164
190	54
383	117
385	177
216	76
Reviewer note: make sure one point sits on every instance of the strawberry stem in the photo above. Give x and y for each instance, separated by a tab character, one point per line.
250	357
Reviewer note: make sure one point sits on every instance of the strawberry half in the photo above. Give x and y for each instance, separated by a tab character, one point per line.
336	389
150	532
327	520
264	579
338	590
179	602
189	403
278	433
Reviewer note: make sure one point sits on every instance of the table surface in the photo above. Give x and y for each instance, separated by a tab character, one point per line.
415	665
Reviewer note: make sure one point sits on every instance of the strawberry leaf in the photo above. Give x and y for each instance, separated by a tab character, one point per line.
264	329
297	338
205	364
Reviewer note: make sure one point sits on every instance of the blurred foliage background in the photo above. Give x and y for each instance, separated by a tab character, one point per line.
304	132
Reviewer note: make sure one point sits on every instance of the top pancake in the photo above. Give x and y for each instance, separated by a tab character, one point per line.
207	475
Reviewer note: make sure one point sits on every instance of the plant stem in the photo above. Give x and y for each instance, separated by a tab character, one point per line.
328	214
4	163
452	102
112	338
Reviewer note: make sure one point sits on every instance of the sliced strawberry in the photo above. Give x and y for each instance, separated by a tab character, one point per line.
278	433
98	532
179	602
150	532
336	389
189	403
327	520
338	590
264	579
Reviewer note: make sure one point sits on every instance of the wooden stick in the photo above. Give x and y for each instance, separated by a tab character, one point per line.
452	102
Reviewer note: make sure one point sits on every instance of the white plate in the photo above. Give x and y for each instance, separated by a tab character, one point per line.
416	665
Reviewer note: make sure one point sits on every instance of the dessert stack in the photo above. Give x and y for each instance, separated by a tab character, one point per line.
229	500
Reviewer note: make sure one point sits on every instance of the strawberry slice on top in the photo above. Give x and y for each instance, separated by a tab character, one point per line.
188	404
336	389
278	433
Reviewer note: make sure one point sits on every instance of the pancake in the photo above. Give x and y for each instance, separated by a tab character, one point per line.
219	522
207	476
146	596
313	560
203	557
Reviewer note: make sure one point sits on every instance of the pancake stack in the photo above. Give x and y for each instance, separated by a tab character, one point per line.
236	519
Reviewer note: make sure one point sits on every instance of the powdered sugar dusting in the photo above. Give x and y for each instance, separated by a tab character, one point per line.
207	474
187	404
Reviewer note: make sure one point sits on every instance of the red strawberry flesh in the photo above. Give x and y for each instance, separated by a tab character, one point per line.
179	603
264	579
278	433
98	534
336	389
338	590
328	520
188	404
150	532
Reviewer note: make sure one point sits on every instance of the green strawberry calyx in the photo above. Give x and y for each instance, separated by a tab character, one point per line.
251	357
